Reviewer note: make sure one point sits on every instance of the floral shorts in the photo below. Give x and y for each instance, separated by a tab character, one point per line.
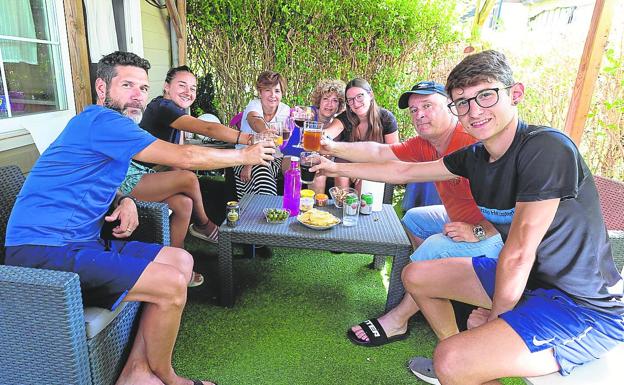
133	176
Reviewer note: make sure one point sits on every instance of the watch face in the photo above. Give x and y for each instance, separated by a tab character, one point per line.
479	232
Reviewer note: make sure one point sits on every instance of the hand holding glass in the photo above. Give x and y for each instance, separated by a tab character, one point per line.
307	160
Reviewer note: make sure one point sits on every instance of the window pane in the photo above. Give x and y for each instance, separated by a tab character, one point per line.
33	85
3	103
33	70
25	19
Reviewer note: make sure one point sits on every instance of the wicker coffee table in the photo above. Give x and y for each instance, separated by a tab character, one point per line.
380	234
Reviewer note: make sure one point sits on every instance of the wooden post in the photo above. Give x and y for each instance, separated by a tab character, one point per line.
182	37
588	69
78	54
177	13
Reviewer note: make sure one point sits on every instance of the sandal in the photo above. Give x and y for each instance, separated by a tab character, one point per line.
196	280
213	237
375	333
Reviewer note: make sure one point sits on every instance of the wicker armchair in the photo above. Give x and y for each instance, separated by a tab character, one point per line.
44	337
611	195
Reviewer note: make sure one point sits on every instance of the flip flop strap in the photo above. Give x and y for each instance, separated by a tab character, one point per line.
373	330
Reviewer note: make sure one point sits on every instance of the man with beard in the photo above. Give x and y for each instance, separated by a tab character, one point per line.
56	220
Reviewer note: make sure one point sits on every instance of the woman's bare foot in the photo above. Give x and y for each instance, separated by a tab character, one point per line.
138	375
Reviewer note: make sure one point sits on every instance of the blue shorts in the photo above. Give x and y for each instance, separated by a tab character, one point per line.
428	222
549	318
107	270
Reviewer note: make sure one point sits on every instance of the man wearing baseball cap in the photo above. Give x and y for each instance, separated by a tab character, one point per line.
456	228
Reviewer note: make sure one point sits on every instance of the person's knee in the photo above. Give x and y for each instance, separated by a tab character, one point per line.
447	360
184	260
181	205
434	247
414	276
188	181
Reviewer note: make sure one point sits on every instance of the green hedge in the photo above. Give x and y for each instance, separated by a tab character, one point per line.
392	43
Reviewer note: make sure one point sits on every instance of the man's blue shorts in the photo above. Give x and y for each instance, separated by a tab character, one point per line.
549	318
107	269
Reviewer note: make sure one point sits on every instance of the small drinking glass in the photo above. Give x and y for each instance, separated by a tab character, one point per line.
306	160
265	136
311	138
277	129
351	210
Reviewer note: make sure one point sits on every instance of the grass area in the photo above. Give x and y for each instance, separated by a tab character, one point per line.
289	322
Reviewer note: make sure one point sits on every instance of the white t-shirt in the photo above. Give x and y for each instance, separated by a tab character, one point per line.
283	112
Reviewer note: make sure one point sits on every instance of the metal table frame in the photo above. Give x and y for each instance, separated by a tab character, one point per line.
380	234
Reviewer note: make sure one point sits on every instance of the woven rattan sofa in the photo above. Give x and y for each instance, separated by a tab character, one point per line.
46	336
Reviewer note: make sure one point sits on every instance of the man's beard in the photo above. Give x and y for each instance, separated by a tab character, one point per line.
133	111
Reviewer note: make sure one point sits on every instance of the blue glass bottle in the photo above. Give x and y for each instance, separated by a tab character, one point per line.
292	187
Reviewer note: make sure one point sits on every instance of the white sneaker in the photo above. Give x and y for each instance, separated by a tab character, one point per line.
423	368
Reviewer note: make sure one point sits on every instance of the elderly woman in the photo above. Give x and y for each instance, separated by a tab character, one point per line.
327	101
363	120
268	107
165	117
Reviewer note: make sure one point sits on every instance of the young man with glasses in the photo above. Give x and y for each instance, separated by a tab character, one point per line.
554	297
456	228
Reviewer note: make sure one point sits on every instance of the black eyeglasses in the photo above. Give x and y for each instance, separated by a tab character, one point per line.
358	98
484	99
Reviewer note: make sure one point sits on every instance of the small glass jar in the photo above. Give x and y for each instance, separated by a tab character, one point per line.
321	200
306	202
232	213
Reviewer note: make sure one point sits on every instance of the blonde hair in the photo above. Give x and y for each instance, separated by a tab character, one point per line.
327	86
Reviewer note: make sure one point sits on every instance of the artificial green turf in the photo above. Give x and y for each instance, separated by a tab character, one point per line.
289	322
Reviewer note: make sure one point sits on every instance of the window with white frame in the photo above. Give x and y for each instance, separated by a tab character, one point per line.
31	69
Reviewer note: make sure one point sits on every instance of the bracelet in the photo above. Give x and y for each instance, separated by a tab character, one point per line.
238	137
133	199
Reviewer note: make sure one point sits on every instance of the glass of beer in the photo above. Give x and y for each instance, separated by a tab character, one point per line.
277	129
308	159
312	132
299	115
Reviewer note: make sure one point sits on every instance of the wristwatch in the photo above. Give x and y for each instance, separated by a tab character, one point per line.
479	232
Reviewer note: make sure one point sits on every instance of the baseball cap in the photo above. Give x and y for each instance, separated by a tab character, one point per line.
427	87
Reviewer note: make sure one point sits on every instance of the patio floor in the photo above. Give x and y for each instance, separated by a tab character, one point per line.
288	326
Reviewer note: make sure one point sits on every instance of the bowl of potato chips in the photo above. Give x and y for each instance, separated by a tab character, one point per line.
318	219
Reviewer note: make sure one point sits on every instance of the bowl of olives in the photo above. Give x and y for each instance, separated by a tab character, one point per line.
275	215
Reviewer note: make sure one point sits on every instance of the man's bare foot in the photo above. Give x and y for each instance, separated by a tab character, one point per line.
391	326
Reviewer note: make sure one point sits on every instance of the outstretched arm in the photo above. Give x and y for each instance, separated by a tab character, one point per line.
358	151
211	129
202	158
394	172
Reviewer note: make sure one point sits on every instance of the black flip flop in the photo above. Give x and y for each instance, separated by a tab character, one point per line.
375	333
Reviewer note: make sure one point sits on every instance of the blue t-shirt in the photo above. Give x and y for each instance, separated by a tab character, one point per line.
73	183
